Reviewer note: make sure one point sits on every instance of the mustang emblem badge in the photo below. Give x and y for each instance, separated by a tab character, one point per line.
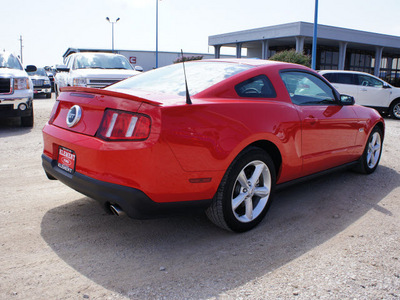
74	115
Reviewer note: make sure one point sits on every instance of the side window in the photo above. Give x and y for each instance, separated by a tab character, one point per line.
343	78
307	89
256	87
366	80
331	77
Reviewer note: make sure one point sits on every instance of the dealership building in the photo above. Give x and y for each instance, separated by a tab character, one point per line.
337	48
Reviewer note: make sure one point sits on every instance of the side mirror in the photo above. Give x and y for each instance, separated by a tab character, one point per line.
347	100
386	85
30	68
138	68
62	68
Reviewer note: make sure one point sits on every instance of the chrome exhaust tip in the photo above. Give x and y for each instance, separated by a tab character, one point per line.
116	210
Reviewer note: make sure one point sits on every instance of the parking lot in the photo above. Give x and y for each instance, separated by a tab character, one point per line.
337	237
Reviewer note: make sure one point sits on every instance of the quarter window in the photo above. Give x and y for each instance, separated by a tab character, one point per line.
256	87
307	89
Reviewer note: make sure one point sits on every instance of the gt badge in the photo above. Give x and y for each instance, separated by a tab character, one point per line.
74	115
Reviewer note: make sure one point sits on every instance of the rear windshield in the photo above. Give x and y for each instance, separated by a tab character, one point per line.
171	80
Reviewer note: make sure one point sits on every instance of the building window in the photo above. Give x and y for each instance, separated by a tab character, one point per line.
329	58
390	69
360	61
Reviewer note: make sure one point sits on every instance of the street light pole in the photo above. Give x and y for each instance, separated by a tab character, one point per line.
314	44
156	34
112	29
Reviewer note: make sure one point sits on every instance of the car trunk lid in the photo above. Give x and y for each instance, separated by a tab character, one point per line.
92	104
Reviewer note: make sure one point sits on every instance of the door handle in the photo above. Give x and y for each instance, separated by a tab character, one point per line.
363	90
310	120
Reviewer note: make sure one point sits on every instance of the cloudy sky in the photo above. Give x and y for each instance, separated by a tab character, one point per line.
49	27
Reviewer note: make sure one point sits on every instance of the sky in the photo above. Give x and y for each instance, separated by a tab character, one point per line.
49	27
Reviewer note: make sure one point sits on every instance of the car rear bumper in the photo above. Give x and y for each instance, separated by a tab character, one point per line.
135	203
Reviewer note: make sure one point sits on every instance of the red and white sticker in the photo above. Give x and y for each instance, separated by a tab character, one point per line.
66	159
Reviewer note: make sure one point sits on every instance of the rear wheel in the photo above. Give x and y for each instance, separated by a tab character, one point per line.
395	110
372	152
48	95
245	193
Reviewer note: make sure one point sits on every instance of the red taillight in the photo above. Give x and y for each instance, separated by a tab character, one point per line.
124	126
54	112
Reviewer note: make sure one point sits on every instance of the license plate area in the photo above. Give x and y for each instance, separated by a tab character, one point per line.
66	159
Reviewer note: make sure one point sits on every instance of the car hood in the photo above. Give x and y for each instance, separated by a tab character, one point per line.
104	73
4	72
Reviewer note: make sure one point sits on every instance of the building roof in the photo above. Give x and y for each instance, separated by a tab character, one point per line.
328	35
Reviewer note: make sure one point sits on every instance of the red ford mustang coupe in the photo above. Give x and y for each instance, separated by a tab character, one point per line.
222	142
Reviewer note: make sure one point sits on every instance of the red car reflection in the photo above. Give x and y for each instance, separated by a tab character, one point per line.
143	148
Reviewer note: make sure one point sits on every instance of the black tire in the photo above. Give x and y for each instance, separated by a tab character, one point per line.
369	161
27	121
56	90
48	95
395	110
254	194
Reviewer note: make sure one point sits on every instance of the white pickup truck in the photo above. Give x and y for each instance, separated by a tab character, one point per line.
16	89
93	69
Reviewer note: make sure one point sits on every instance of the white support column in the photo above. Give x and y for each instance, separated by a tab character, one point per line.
265	49
300	44
217	51
378	59
239	50
342	55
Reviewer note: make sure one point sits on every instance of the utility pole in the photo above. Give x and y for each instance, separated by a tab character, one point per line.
156	34
20	42
314	44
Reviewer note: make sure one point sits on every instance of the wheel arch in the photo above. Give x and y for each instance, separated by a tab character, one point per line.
272	150
393	101
391	107
381	127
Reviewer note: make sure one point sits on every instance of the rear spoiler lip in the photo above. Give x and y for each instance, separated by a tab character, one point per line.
108	93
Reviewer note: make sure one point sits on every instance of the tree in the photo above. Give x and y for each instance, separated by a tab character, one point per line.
292	56
187	58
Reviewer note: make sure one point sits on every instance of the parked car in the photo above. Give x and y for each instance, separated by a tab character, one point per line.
367	90
41	82
16	89
95	70
148	145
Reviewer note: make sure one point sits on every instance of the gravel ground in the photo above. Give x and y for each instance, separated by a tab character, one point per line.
337	237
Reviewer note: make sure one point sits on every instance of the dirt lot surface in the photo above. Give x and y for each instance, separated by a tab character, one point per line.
337	237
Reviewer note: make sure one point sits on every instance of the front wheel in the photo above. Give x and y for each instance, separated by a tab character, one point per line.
372	153
395	110
245	193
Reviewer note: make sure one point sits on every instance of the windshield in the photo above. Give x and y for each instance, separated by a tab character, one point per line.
9	61
101	61
39	71
171	80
